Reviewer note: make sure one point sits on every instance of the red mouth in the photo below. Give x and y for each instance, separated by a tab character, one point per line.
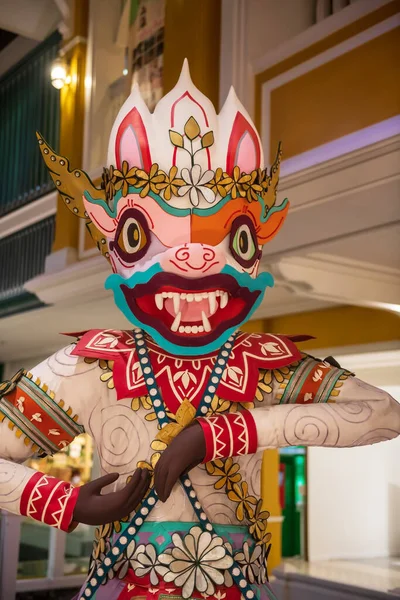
187	310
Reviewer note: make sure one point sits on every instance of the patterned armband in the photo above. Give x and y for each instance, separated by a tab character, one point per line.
49	500
311	382
232	434
33	413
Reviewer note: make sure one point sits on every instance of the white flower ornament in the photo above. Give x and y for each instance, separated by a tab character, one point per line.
197	561
196	185
145	562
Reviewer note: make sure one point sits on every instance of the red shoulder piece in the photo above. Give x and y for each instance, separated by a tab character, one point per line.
75	334
182	377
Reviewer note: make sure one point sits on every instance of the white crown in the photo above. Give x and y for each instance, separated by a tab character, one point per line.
164	137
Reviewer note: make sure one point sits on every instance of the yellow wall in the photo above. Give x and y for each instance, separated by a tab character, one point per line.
355	90
337	327
330	41
192	31
72	122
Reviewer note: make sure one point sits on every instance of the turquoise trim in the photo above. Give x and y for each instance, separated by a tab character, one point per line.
177	212
115	281
275	209
332	385
166	529
206	212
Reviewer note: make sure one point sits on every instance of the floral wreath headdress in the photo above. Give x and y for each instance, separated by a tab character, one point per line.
175	155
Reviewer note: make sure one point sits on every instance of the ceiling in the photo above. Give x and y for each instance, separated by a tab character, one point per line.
33	19
6	37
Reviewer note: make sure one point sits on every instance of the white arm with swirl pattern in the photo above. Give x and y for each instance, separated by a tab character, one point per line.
316	405
13	476
360	415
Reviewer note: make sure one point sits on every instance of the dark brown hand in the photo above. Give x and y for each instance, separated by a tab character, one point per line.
185	452
93	508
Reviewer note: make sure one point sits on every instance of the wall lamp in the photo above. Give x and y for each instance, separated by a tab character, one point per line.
59	73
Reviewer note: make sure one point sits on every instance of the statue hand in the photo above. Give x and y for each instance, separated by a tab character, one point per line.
185	452
94	508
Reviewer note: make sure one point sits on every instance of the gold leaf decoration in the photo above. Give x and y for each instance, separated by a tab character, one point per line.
207	140
71	184
192	129
184	417
270	183
185	413
158	445
176	138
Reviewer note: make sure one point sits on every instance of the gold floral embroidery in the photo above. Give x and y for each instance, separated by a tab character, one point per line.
104	532
219	405
123	178
117	524
108	378
150	466
265	538
245	502
145	403
141	402
150	181
99	543
259	521
171	184
227	471
266	377
108	183
235	185
229	476
251	188
107	367
218	182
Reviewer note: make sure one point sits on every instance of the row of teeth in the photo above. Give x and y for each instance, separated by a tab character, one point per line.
191	328
176	298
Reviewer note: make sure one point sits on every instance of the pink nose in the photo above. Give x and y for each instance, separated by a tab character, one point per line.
193	260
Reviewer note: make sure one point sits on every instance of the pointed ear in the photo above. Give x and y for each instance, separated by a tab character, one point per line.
99	214
270	226
243	146
131	142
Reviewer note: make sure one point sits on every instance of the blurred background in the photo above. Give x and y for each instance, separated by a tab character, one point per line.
323	77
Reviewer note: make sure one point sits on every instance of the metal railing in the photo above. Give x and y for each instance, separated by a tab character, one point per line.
28	102
55	579
22	257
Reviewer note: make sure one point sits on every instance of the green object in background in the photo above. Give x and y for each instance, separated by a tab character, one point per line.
28	102
133	11
293	510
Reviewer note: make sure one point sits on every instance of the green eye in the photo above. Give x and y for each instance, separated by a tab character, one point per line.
243	244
